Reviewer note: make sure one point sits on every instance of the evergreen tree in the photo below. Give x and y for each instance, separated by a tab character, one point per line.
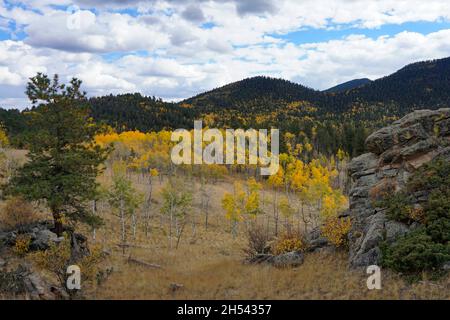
63	159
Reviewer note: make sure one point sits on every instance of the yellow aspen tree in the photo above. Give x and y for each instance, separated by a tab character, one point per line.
277	182
234	205
4	142
252	202
148	203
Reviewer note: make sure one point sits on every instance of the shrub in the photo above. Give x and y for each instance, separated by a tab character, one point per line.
12	282
437	215
17	212
55	259
416	252
336	230
22	244
258	239
287	243
434	175
427	248
398	207
58	257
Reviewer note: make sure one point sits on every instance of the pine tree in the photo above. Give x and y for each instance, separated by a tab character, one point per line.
63	160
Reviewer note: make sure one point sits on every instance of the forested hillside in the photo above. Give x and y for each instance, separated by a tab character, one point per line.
349	85
326	121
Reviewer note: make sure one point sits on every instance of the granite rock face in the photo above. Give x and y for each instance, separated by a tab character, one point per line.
395	152
42	237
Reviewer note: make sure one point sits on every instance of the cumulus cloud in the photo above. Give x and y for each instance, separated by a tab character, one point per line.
176	48
193	13
256	6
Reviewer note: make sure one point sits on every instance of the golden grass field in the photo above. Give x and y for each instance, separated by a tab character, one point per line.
209	263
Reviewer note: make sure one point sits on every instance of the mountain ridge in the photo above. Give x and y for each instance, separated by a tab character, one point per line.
348	85
327	121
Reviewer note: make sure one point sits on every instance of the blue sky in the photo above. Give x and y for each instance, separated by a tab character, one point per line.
309	34
177	48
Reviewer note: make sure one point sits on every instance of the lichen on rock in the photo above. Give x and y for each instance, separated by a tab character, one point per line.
395	152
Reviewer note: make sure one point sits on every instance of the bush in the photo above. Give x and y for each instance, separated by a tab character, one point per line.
17	212
427	248
336	230
414	253
398	207
287	243
58	257
435	175
258	239
22	244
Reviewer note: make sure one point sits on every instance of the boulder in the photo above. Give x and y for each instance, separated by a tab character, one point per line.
24	281
42	240
42	237
362	163
395	152
367	258
381	140
316	242
290	259
260	258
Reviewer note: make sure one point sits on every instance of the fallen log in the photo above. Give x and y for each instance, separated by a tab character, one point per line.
130	245
143	263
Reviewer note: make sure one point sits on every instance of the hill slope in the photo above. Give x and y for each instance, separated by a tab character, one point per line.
326	120
349	85
253	90
419	85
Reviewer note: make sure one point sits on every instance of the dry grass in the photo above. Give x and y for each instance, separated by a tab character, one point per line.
208	264
224	277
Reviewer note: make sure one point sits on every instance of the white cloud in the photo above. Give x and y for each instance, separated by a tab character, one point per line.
166	51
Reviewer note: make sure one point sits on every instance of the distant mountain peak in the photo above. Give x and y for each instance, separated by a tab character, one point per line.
259	88
349	85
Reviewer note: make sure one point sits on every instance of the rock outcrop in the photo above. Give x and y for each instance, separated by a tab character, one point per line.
41	237
395	152
285	260
39	234
24	281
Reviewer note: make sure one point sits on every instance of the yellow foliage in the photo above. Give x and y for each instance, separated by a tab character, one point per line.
342	155
300	176
333	203
234	204
285	207
22	244
142	151
119	168
252	200
277	179
417	214
241	202
336	229
288	243
3	137
57	258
